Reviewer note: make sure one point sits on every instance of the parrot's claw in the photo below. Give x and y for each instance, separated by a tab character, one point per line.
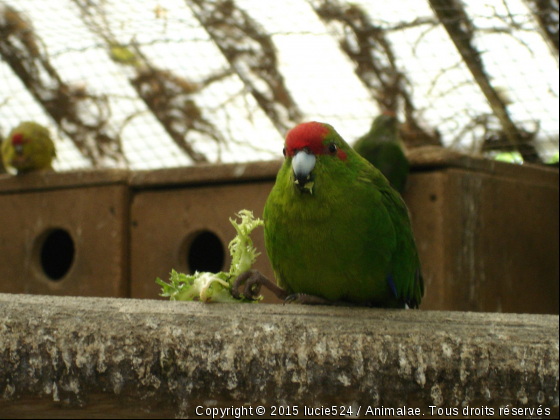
249	292
253	281
307	300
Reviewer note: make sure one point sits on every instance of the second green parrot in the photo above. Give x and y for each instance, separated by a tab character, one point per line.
335	230
384	149
29	147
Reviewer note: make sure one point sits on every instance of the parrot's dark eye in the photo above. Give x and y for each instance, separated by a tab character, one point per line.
284	151
333	148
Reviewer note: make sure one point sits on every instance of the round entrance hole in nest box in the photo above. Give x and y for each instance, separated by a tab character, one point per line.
54	253
204	252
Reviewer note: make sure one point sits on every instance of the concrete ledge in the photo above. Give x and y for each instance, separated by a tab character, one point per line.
89	357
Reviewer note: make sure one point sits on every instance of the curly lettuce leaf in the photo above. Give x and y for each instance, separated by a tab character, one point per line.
216	287
243	253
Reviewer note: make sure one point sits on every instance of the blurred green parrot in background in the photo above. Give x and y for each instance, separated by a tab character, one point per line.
335	230
2	169
28	148
384	149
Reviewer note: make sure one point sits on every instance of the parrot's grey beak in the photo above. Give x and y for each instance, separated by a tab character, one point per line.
19	149
302	165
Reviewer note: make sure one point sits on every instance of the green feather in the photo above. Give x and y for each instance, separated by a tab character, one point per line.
383	148
345	239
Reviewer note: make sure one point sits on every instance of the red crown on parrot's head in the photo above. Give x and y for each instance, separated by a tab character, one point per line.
310	135
17	139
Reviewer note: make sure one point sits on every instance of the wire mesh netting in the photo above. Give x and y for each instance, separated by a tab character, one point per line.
164	83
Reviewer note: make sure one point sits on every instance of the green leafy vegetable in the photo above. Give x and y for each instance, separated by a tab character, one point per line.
509	157
210	287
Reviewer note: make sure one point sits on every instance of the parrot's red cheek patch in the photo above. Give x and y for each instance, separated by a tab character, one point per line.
342	155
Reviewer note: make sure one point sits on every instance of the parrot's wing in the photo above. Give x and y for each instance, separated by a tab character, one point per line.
405	273
392	163
42	147
7	151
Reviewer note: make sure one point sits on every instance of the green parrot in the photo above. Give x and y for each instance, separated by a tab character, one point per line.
383	148
2	169
335	230
28	148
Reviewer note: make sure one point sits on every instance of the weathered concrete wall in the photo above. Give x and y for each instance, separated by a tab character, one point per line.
90	357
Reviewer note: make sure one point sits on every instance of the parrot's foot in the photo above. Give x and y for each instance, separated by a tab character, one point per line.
308	300
253	281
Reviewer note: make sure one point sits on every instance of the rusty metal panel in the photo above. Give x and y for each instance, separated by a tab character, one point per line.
165	224
506	240
69	241
487	233
425	197
487	242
